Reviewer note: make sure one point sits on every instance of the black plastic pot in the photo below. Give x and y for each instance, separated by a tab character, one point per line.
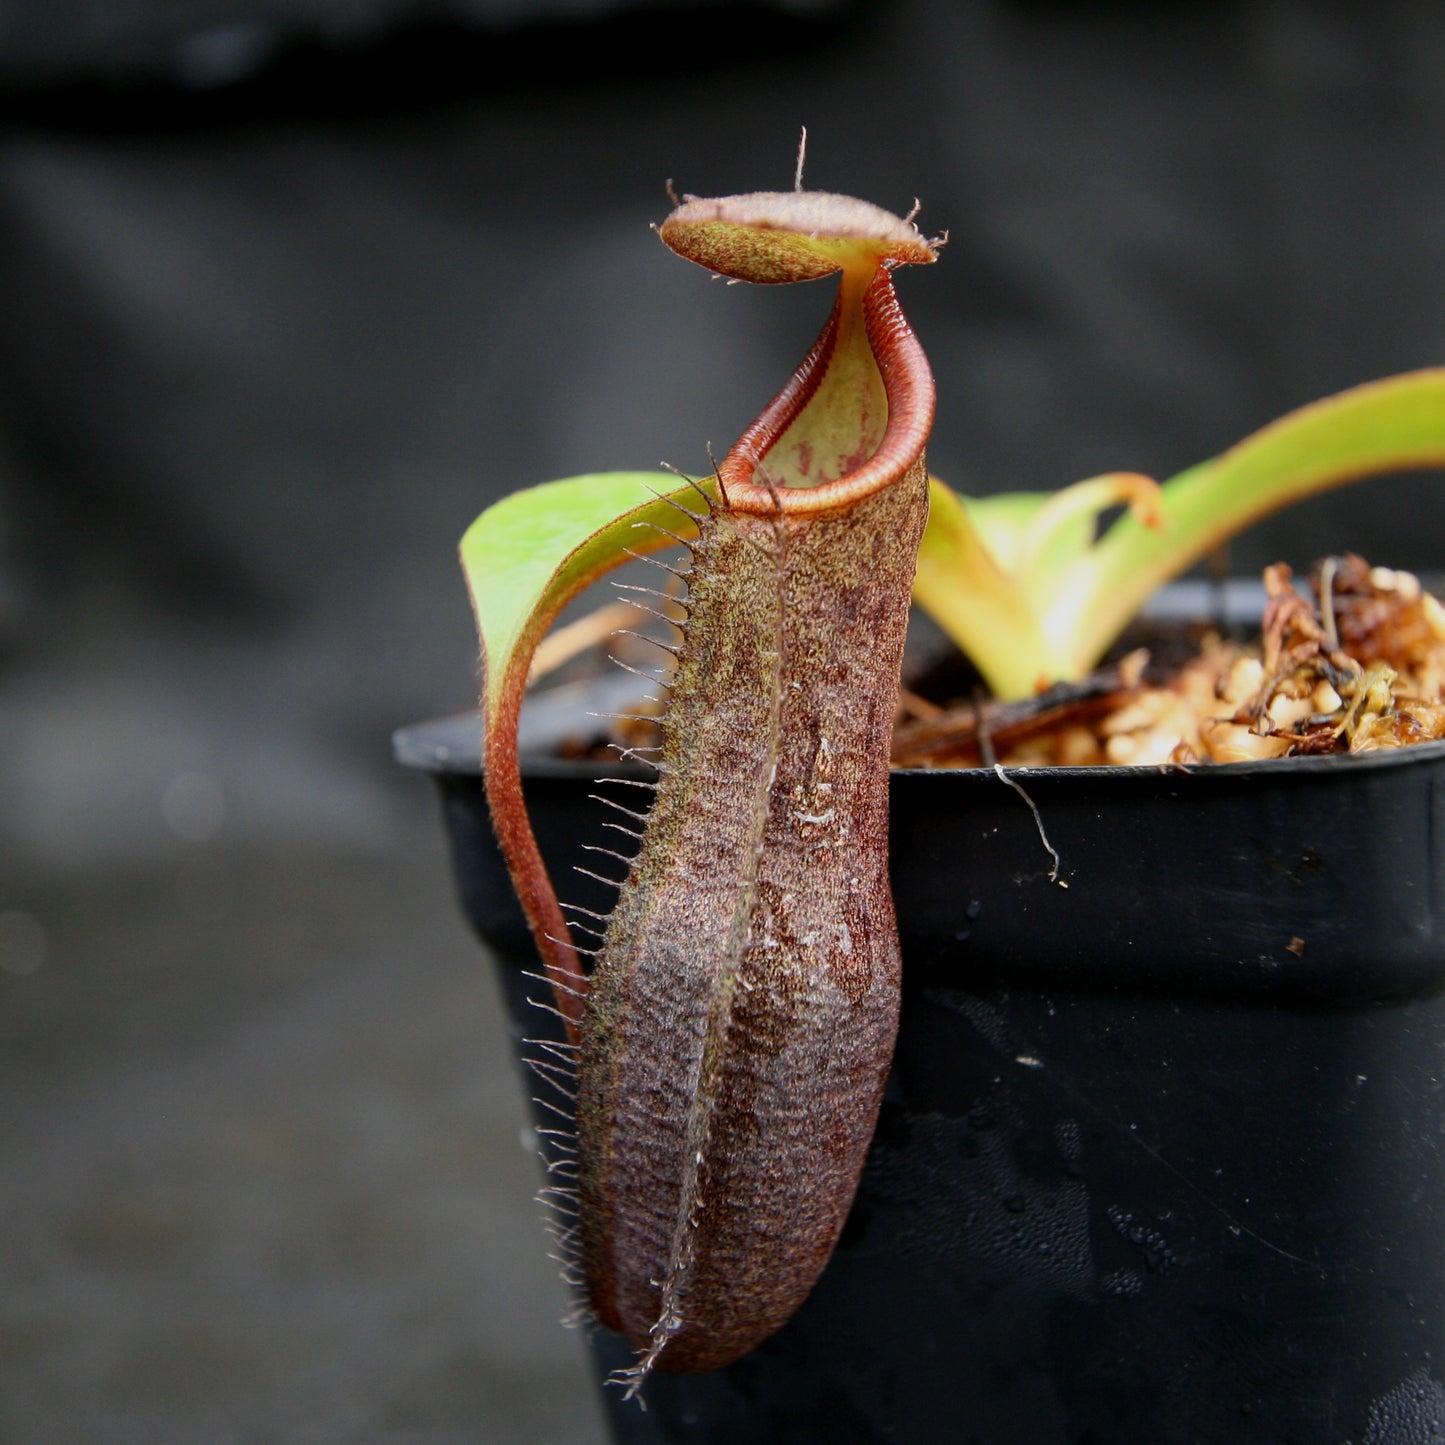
1162	1157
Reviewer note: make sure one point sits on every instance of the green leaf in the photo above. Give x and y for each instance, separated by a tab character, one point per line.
1397	424
963	584
1019	582
524	559
532	552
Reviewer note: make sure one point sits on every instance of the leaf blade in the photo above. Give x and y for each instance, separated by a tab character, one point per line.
1391	425
529	554
524	559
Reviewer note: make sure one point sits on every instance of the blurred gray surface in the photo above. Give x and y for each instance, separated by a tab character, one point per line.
260	1176
265	1173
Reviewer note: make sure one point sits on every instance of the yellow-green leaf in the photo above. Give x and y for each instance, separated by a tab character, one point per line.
528	555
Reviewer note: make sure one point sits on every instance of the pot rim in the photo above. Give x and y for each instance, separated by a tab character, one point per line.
452	746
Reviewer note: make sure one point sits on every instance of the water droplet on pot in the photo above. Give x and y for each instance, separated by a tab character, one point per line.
1122	1284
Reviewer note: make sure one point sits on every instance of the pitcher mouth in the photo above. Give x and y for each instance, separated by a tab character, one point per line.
782	464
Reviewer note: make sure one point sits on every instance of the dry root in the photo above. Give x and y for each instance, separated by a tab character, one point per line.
1361	667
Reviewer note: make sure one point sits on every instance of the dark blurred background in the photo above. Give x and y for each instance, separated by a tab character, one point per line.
290	290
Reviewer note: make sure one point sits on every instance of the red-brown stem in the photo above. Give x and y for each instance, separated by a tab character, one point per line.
560	960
